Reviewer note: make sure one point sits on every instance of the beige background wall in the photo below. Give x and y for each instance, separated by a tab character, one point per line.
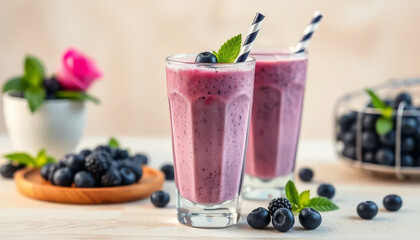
359	43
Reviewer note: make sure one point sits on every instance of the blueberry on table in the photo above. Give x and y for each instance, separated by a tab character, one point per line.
84	179
278	203
206	57
392	202
402	97
349	151
8	170
140	159
408	125
385	157
367	210
407	144
369	157
127	176
259	218
407	160
388	140
160	199
283	219
326	190
369	140
347	120
111	178
168	170
63	177
306	174
310	218
369	121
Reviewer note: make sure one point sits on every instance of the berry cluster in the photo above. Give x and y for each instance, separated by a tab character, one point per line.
380	149
102	167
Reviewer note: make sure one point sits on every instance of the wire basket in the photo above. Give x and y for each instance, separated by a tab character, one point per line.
352	102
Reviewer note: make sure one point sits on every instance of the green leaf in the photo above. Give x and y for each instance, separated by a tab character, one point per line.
113	142
291	193
75	95
50	160
304	198
34	71
230	50
215	54
35	97
41	159
322	204
376	101
14	84
22	158
384	125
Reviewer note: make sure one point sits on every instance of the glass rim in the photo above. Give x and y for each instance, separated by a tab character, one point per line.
173	59
277	51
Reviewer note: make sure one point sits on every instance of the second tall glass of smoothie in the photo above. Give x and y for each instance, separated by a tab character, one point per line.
210	106
280	77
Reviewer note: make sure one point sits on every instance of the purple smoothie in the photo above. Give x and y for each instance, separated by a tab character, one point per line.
209	110
276	114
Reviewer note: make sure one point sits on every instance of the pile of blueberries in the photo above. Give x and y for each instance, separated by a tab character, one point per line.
380	149
102	167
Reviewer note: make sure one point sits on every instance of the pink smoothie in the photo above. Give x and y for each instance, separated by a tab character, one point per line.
209	110
276	114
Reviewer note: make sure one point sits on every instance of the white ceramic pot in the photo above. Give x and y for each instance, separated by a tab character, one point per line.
56	126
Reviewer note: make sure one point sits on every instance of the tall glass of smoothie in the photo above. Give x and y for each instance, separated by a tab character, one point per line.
280	77
210	107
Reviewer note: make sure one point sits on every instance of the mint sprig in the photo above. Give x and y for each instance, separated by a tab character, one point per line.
303	200
384	123
39	160
230	50
113	142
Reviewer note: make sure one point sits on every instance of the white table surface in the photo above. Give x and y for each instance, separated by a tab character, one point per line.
24	218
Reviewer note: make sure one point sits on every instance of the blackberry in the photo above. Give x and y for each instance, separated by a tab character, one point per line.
111	178
9	169
97	163
278	203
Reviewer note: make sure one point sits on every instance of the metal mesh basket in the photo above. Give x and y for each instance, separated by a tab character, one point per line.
352	102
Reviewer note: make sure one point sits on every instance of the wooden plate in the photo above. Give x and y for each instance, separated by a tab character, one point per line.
31	184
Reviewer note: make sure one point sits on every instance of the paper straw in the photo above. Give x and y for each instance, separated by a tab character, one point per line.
307	34
249	41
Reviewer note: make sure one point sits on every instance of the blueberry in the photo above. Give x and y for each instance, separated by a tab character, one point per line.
402	97
206	57
103	148
392	202
349	138
140	159
84	179
407	144
45	170
347	120
326	190
369	140
306	174
369	121
135	168
349	151
51	86
52	169
385	157
127	175
75	162
111	178
367	210
407	160
310	218
388	139
85	152
283	219
259	218
63	177
119	154
168	170
160	199
408	125
369	157
9	169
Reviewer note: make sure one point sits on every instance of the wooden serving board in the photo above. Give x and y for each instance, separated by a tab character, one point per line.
31	184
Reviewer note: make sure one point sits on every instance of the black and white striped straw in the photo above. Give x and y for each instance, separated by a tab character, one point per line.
249	41
309	31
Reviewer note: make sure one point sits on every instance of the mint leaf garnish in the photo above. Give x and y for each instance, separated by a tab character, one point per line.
229	51
113	142
384	124
303	200
24	158
35	96
14	84
34	71
322	204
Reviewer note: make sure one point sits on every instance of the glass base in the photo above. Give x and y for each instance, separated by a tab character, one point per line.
208	216
265	189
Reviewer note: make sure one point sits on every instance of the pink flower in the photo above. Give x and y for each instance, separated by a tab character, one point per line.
77	72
